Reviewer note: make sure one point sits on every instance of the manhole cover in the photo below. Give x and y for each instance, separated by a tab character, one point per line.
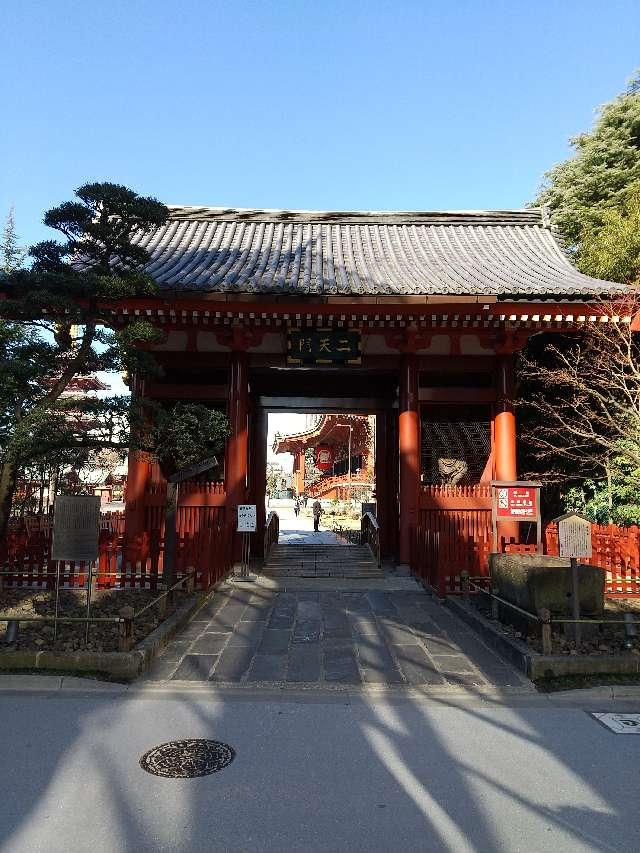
621	724
186	759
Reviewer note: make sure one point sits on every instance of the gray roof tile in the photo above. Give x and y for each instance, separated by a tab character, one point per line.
502	253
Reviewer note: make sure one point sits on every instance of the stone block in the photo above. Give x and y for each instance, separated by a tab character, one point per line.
532	581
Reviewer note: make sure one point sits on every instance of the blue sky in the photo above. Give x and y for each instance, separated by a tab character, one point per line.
301	104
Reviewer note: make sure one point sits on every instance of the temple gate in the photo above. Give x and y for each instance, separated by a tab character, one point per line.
412	317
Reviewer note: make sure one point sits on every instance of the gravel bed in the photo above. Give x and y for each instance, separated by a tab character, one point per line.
103	637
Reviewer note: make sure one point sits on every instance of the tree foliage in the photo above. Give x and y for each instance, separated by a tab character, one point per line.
11	254
614	499
582	191
185	434
580	409
46	352
612	249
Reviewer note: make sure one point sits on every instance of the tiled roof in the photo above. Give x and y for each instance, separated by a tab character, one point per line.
502	253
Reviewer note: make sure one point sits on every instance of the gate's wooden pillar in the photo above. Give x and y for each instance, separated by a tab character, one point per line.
299	471
386	492
504	431
505	422
138	476
409	447
138	479
237	445
258	479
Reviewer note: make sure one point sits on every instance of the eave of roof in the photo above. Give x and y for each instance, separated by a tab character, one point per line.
310	254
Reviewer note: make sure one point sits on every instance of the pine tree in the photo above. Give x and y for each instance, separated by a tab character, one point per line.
11	255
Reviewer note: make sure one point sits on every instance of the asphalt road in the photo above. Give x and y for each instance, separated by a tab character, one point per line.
315	772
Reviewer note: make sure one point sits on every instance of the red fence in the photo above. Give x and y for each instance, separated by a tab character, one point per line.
26	558
615	549
200	506
454	534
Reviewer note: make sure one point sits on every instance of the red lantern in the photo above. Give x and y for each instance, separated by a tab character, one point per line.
324	457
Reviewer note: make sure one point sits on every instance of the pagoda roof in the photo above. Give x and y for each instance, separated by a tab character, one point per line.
502	253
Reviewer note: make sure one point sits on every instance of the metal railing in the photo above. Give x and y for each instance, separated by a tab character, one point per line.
271	532
543	616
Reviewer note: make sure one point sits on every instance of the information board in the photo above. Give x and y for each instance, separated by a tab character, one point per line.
517	502
247	518
76	525
574	535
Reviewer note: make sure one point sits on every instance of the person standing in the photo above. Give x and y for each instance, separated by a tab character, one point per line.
317	512
296	507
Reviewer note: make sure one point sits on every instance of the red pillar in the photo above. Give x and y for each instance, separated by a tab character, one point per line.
505	422
258	483
138	475
504	430
409	447
385	490
237	445
300	472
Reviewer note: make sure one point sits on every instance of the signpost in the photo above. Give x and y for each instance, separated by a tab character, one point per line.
76	528
247	524
515	501
574	541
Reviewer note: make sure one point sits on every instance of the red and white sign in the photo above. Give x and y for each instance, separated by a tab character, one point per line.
516	502
324	457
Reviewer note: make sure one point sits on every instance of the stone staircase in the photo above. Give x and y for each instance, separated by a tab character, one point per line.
322	561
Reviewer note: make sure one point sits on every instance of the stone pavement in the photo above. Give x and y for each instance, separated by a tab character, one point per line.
298	530
330	637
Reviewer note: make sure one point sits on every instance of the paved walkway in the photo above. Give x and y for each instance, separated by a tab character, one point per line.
299	530
296	636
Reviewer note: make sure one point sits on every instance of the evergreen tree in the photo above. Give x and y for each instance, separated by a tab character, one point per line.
582	192
99	261
11	255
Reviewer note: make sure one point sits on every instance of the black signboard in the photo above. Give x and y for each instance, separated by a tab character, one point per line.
323	346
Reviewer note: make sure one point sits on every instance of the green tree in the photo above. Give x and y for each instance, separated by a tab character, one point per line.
187	433
44	352
611	250
581	191
11	255
611	500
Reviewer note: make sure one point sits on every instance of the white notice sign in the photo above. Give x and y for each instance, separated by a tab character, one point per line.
76	523
574	535
247	518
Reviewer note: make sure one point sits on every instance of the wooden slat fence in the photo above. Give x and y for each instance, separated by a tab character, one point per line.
453	534
615	549
26	561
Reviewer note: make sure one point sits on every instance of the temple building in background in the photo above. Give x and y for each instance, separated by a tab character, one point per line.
334	458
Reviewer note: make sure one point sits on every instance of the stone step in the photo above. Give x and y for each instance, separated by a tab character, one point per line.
320	573
322	561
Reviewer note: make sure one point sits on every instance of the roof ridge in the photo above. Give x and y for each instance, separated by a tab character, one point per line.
502	216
